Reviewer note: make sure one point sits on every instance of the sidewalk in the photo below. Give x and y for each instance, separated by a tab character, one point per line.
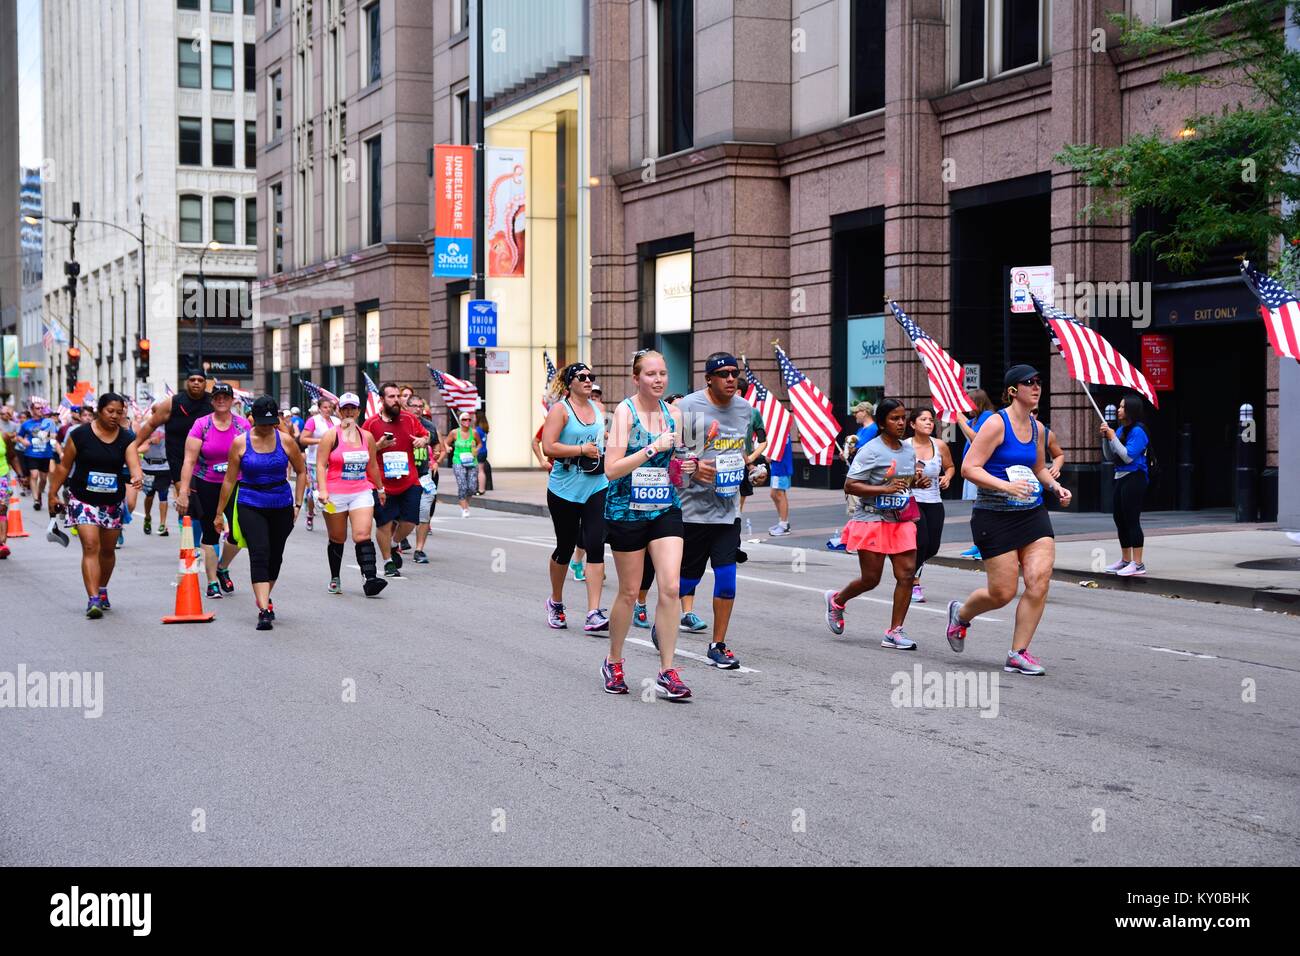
1201	555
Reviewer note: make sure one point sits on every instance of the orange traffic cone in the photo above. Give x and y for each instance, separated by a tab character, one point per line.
15	519
189	602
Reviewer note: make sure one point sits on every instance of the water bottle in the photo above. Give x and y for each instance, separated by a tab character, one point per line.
749	526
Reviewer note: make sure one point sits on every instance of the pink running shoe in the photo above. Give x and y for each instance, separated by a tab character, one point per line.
1025	663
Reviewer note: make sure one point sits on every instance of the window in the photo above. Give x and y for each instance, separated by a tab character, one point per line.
992	37
372	43
277	12
250	221
461	134
277	228
866	56
970	41
223	220
459	15
223	142
250	144
277	104
223	6
250	68
676	64
189	65
187	4
1019	33
1186	8
249	7
191	219
374	191
191	141
223	66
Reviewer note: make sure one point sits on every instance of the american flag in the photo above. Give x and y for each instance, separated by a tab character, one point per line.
456	393
168	389
551	372
1089	357
1279	309
316	393
47	337
373	401
818	428
776	420
942	371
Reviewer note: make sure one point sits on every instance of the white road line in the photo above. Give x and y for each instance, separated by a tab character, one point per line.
862	597
691	654
1170	650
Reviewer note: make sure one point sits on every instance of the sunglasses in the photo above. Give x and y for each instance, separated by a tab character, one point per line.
583	377
727	373
1033	381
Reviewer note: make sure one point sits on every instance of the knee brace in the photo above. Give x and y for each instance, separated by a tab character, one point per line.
687	586
724	582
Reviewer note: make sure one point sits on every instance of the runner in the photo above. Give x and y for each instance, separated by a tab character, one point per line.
720	424
427	460
574	436
36	442
157	481
397	434
348	477
1009	521
8	484
640	613
264	510
643	513
92	464
880	480
462	447
176	415
936	465
864	415
315	427
207	452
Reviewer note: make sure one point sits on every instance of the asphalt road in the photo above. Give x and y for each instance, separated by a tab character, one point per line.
479	736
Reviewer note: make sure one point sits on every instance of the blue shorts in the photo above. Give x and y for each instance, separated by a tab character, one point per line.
780	482
400	507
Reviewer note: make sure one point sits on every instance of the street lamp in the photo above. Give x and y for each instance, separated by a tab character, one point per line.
212	246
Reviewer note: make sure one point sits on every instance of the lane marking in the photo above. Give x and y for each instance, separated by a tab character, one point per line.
691	654
1171	650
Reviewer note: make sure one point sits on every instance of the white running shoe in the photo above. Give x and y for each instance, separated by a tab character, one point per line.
1131	569
1114	568
464	512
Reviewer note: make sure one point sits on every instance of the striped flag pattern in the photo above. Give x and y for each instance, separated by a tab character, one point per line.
1089	357
373	402
776	420
316	392
1279	309
456	393
942	371
551	372
818	428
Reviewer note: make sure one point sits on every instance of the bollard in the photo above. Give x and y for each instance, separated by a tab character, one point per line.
1247	473
1186	469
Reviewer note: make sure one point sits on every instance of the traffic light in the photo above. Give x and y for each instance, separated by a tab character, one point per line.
72	270
142	358
70	366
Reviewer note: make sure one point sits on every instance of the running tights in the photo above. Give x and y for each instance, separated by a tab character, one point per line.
1129	494
929	532
578	524
265	530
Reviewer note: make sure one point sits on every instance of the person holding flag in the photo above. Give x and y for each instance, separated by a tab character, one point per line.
313	430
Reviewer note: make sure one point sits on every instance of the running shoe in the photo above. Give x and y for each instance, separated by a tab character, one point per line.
395	558
214	591
148	525
270	607
390	568
833	545
311	520
103	599
971	552
223	575
36	506
335	586
897	640
918	594
464	512
721	658
373	586
693	623
162	531
778	530
264	618
956	633
93	610
1131	569
555	615
1024	662
672	685
640	618
404	545
1112	568
612	673
834	614
419	557
654	636
597	620
741	556
579	572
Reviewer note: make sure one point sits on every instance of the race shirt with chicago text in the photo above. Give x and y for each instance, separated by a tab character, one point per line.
717	501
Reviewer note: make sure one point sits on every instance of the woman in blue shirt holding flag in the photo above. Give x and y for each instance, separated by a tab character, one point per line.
1127	447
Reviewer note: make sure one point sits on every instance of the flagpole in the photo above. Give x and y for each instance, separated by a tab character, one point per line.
1056	346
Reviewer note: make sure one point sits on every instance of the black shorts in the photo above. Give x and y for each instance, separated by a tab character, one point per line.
997	532
402	507
635	535
204	498
714	544
31	464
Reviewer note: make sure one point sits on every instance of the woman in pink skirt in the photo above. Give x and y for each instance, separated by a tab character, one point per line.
880	480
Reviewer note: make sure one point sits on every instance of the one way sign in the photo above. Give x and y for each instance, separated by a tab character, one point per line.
482	324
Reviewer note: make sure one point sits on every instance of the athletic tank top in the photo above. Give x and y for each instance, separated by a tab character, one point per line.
185	412
646	493
262	482
345	472
1012	460
932	469
463	449
567	480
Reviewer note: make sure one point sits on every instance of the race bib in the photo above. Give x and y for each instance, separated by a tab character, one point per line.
354	465
650	489
467	458
1022	473
221	468
40	442
103	482
891	502
731	471
428	483
396	464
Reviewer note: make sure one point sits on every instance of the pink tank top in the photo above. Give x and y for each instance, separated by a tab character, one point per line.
345	472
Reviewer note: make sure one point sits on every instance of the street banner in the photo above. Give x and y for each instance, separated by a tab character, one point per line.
506	219
453	243
10	348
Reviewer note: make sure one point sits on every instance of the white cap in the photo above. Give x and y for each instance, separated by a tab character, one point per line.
296	410
349	399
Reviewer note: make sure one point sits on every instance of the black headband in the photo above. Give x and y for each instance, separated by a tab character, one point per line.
572	371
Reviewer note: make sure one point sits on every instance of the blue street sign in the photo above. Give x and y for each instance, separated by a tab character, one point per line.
482	324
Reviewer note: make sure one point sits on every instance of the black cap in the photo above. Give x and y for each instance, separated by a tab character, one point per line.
195	371
266	411
1017	374
223	388
724	360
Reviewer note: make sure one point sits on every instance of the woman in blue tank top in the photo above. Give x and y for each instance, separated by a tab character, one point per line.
265	509
574	438
1009	522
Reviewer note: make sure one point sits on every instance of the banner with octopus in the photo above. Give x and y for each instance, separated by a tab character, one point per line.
505	208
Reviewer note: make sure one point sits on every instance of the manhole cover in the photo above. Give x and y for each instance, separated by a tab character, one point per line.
1272	564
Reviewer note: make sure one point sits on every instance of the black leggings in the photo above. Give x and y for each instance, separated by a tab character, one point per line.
1129	492
265	530
929	532
576	522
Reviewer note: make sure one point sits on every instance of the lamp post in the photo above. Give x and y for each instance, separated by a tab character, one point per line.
212	246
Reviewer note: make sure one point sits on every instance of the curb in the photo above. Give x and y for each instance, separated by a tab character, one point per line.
497	504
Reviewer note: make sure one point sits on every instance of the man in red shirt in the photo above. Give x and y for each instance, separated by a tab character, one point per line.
397	434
